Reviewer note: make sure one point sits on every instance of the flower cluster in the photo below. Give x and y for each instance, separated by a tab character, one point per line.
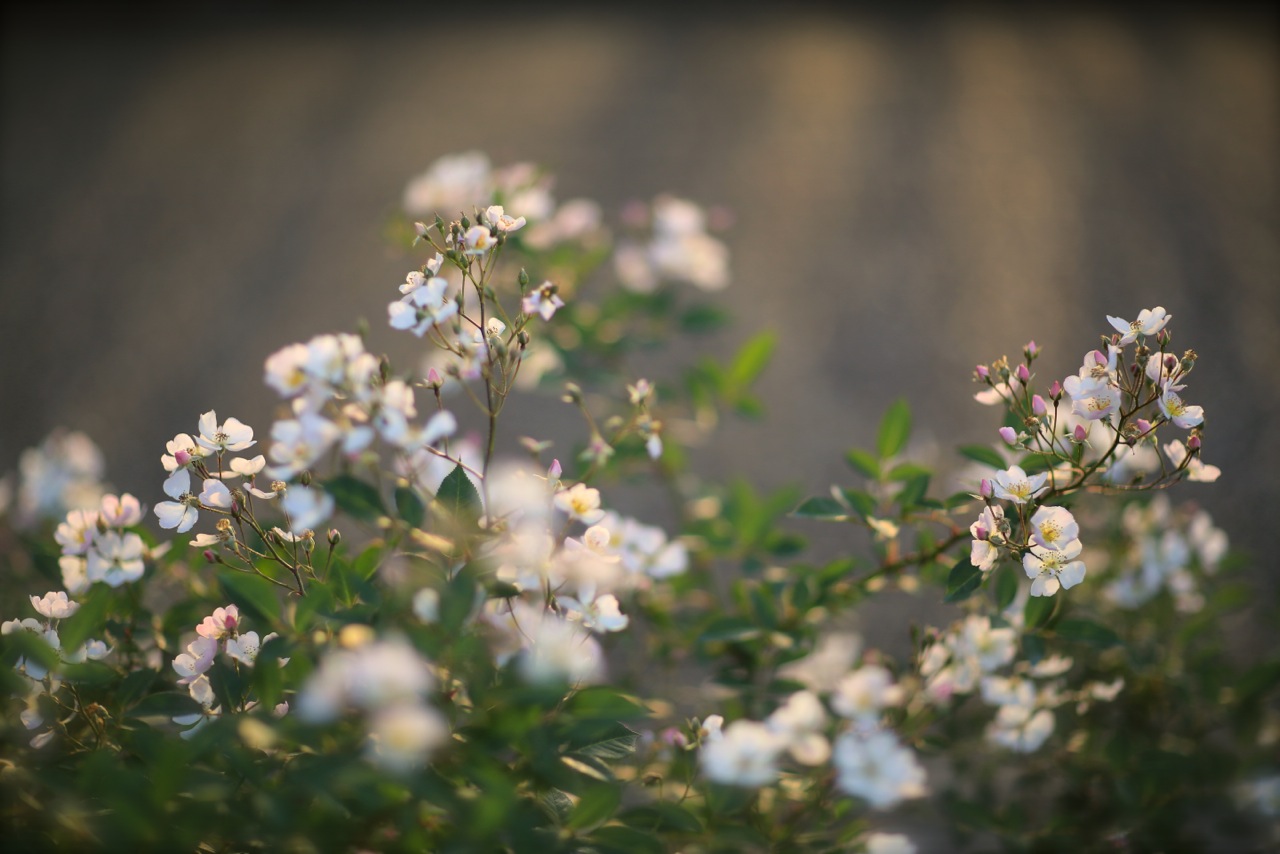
42	681
1161	548
64	473
676	248
98	545
388	682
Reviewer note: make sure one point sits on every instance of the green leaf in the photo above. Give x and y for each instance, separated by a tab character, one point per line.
32	647
619	747
89	673
88	619
703	318
1087	632
907	471
558	804
895	427
862	503
751	360
1034	649
457	494
1038	611
597	805
589	767
662	816
913	493
166	704
821	508
863	463
729	629
601	703
962	581
616	839
458	600
410	506
251	592
1006	587
984	454
357	498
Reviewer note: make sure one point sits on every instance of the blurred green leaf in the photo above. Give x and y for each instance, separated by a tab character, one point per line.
729	629
895	427
863	463
410	506
357	498
1006	586
1038	611
251	592
820	507
751	360
88	619
662	816
913	493
704	317
862	503
601	703
616	839
597	805
962	581
1088	632
984	454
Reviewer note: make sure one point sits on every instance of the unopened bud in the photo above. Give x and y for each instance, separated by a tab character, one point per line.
1099	358
572	393
985	489
523	278
1143	426
183	457
1163	336
434	380
1193	443
1055	391
384	368
1188	360
420	228
1023	374
1031	350
465	223
1008	434
209	556
555	471
1038	405
982	372
981	533
1080	434
335	537
305	478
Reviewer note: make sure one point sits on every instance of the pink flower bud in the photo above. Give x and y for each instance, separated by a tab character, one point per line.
1008	435
1170	362
1055	391
982	371
183	457
555	471
433	378
985	489
209	556
1143	425
1080	434
1099	358
1022	373
673	737
1193	443
1031	350
1037	405
981	533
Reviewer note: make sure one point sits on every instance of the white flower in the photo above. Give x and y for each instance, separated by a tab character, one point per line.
453	183
477	240
600	614
1053	527
1015	485
285	370
369	677
306	507
863	694
54	605
580	502
1178	412
426	605
1196	470
120	511
542	301
116	558
296	444
503	222
1021	728
222	623
877	768
231	435
558	650
987	647
711	729
198	658
74	573
890	843
244	647
215	495
76	534
746	755
1050	569
983	553
800	721
423	308
1102	402
1149	322
402	737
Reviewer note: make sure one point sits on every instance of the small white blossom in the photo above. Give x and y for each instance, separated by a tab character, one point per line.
1050	569
877	768
1053	527
402	737
581	502
862	695
1015	485
1178	412
1149	322
746	755
231	435
116	558
307	507
54	605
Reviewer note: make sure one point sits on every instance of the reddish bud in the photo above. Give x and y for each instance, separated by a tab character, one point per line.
1031	350
985	489
983	372
1055	391
1080	434
1038	405
183	457
1022	373
209	556
1193	443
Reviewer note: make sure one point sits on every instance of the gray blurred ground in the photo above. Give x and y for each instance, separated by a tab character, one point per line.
914	194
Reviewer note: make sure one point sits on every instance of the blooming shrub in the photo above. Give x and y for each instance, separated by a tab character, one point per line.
381	624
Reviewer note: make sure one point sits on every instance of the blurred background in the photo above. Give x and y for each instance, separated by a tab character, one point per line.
913	192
